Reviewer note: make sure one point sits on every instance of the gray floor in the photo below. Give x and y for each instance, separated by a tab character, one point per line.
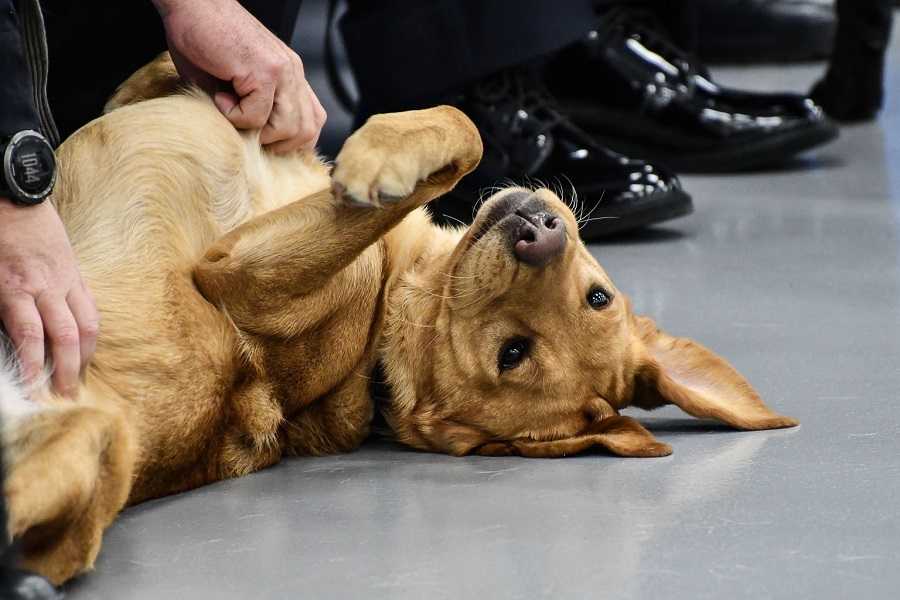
791	274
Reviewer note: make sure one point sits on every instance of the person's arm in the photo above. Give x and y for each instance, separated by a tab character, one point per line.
43	301
256	80
17	109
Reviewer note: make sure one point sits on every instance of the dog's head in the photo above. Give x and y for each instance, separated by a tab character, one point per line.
517	341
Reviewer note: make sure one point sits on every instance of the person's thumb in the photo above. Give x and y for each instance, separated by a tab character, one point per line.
225	102
249	112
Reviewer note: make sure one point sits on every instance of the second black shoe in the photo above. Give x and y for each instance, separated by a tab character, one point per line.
631	88
526	138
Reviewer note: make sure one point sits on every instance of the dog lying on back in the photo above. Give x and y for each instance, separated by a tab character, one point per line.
247	297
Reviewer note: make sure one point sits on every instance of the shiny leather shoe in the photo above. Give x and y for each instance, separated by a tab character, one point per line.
765	30
632	89
22	585
527	139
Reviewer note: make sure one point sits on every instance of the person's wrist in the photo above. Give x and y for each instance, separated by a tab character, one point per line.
10	210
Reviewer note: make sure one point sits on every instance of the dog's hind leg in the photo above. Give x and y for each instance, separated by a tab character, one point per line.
69	472
338	422
392	165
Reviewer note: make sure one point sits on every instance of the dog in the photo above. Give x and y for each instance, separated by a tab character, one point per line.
247	298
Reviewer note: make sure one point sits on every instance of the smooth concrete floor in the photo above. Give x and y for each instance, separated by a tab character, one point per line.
792	274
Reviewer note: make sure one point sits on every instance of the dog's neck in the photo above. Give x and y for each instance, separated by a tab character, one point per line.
413	243
416	239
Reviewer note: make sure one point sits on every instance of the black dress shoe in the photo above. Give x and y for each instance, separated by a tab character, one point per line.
765	30
22	585
527	139
632	89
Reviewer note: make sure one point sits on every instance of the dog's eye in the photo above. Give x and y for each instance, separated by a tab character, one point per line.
597	298
512	353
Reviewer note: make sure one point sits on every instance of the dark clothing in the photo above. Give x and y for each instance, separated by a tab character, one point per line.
405	52
94	45
408	53
853	87
17	106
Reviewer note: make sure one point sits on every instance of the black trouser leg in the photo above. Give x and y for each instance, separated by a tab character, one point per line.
404	52
853	87
94	45
678	16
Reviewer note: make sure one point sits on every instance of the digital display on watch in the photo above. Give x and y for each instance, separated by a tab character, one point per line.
29	167
32	165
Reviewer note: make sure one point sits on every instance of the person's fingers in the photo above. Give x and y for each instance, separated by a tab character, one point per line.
284	132
81	303
305	129
284	122
62	334
22	320
251	111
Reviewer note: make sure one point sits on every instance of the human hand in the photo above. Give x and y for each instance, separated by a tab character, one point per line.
216	41
42	293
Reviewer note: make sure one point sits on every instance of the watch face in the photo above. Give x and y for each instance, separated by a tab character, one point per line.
32	166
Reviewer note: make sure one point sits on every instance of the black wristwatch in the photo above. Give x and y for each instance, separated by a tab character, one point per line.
28	168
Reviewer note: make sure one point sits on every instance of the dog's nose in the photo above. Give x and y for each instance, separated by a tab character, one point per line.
539	237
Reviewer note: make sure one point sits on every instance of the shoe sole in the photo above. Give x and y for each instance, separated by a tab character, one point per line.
448	210
767	151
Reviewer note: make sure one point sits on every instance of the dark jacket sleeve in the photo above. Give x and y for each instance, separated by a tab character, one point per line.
17	109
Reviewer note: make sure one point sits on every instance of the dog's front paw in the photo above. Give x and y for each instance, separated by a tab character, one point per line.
371	170
391	154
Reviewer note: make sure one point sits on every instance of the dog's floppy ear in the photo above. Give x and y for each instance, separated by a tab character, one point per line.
680	371
623	436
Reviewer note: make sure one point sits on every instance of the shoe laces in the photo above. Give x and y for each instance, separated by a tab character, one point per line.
520	92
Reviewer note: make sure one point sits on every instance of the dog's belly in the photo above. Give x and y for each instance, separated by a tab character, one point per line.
140	211
204	414
169	357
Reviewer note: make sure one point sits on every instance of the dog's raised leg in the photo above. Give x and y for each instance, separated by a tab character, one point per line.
392	165
69	473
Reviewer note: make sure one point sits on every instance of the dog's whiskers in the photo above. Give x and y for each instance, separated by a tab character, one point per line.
452	276
586	221
586	218
452	218
464	294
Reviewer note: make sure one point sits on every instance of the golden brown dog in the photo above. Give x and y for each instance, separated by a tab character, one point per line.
247	297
